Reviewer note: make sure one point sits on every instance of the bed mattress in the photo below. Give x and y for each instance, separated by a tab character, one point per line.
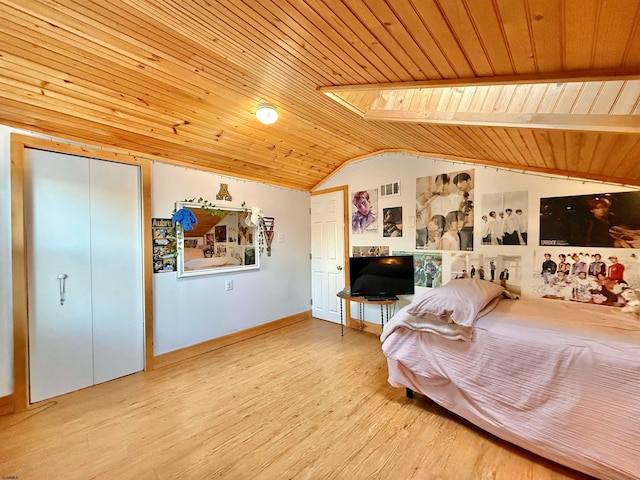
561	380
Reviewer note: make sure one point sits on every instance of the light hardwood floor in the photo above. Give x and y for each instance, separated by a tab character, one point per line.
297	403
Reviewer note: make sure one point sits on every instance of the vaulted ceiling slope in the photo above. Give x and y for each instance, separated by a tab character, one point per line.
180	81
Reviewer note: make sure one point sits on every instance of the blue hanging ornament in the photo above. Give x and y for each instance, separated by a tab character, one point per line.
184	217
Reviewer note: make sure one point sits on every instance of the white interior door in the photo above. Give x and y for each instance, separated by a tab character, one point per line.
327	254
83	220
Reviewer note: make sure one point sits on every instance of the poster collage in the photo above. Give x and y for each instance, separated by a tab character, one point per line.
164	255
587	227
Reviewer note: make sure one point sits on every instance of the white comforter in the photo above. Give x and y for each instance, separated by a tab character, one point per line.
199	263
560	379
449	330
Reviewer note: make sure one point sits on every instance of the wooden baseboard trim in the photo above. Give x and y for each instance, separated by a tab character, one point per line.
7	404
204	347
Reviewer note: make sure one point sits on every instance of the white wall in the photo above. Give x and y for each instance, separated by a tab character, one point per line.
371	172
196	309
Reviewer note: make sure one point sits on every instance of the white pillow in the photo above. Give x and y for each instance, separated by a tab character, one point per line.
459	301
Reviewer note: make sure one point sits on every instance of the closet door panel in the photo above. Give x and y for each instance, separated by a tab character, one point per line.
116	270
58	242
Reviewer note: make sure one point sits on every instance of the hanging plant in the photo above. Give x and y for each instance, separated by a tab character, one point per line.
207	206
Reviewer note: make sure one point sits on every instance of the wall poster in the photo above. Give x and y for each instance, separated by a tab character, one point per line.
444	211
364	211
427	268
504	218
594	276
392	222
371	251
164	255
503	269
602	220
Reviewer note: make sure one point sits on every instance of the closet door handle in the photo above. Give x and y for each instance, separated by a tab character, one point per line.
62	279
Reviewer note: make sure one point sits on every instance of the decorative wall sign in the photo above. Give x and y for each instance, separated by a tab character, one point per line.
224	194
268	232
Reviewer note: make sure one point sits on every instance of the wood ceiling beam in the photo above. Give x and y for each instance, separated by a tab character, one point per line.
601	75
547	121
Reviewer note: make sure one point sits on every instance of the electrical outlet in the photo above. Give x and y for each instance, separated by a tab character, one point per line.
280	237
228	285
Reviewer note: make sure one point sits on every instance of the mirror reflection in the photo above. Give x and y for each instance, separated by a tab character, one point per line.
221	241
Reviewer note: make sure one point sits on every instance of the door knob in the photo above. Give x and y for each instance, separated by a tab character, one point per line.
339	267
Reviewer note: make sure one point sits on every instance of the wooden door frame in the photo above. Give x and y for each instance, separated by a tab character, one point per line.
19	144
345	213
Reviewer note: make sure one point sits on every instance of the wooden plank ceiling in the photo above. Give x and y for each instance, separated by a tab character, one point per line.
180	81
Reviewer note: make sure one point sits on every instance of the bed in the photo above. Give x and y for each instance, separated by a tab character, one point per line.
560	379
194	259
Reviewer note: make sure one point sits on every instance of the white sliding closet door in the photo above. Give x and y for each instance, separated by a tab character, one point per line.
58	242
83	220
116	270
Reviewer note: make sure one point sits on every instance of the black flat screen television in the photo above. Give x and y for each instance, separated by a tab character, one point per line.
381	277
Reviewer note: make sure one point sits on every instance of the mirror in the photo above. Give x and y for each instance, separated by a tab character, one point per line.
221	241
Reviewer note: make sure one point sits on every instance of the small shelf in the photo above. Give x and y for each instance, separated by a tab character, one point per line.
345	294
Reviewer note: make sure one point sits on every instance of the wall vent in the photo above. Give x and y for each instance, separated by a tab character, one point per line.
391	189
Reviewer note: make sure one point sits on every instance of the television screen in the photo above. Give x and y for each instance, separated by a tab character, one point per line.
381	277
